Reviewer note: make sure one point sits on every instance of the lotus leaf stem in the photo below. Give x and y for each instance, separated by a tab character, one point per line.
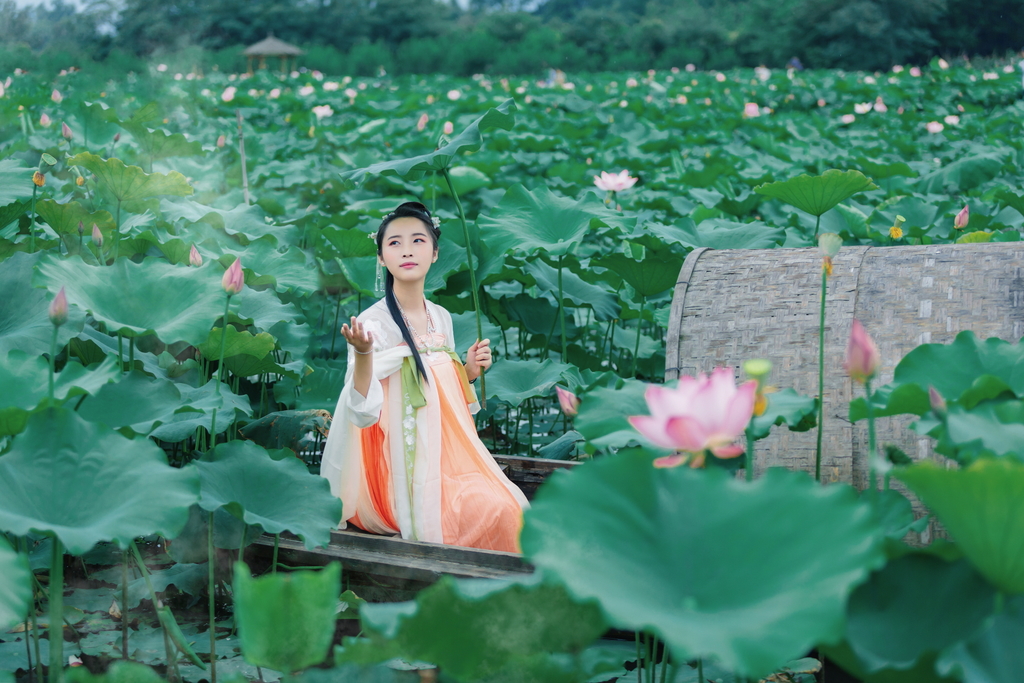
821	374
172	657
53	354
750	455
277	542
561	309
636	345
638	657
700	670
872	449
213	615
56	626
32	221
124	604
472	276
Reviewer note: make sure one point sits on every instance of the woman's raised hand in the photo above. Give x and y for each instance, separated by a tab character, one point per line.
478	358
358	336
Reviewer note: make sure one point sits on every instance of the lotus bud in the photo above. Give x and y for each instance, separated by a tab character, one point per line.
568	401
74	661
896	231
39	179
117	138
65	131
937	402
960	222
194	258
44	121
233	279
59	309
221	141
97	236
422	123
81	229
449	127
80	181
56	96
862	356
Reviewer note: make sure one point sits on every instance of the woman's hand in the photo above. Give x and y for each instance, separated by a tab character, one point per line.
358	336
478	359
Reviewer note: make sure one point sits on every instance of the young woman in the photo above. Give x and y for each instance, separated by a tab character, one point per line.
403	453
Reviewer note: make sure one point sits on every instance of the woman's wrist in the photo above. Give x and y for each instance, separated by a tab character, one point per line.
363	353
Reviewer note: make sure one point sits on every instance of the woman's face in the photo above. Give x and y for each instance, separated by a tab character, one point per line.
407	249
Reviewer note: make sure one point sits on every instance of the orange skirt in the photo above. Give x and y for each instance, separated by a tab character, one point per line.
477	508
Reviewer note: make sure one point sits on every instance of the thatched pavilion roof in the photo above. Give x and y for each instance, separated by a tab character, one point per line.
272	47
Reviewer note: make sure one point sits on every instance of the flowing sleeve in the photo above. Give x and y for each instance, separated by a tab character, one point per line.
364	411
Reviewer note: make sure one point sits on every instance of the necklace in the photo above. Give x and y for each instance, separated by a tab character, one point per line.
430	323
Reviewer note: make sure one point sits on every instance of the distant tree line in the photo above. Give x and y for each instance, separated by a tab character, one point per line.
514	36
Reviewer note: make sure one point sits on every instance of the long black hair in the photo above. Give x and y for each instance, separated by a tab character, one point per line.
414	210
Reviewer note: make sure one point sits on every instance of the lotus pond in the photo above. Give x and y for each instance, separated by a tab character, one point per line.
153	425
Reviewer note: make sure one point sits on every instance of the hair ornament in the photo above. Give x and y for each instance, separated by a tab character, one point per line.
436	221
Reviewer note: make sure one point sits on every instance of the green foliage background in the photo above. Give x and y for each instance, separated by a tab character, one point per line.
508	36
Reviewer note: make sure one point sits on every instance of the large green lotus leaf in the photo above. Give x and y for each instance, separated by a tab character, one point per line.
469	140
86	483
10	213
318	390
894	620
284	429
25	380
539	220
514	381
156	144
961	175
361	273
245	219
279	495
15	181
992	428
243	342
894	512
818	194
15	586
603	414
351	242
119	672
464	326
1005	195
196	410
982	507
694	555
286	621
465	179
176	303
286	270
24	310
491	627
264	309
575	289
64	218
655	274
992	656
136	405
786	407
127	183
882	169
965	362
718	233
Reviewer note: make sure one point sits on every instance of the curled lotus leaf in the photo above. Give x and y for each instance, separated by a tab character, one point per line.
818	194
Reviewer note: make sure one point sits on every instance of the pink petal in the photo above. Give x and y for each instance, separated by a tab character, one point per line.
671	461
728	451
652	429
687	434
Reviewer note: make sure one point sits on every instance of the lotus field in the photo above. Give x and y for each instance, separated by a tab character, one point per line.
178	251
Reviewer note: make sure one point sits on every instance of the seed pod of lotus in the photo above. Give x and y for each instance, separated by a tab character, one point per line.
829	243
80	181
39	179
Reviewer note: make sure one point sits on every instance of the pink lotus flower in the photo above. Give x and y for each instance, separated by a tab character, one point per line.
233	279
422	123
706	413
915	72
59	309
862	107
97	236
65	131
960	222
614	182
56	96
938	404
862	355
228	94
323	111
449	128
44	121
221	141
880	105
568	401
750	109
952	120
934	127
454	95
194	258
848	118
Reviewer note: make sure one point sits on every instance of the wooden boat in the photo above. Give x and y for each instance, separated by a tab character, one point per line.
392	568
